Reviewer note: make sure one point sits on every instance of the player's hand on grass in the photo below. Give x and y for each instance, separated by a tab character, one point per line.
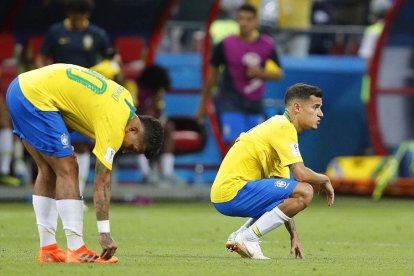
108	245
330	194
296	249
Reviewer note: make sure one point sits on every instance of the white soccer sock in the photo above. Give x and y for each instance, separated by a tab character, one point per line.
71	213
6	150
167	164
84	161
46	219
267	222
143	164
246	225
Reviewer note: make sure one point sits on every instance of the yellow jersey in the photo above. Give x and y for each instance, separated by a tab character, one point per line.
264	151
87	101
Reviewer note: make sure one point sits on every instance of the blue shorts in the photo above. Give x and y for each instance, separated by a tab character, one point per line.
234	123
44	130
258	197
77	137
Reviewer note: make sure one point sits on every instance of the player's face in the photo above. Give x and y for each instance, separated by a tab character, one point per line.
311	113
78	20
247	22
133	142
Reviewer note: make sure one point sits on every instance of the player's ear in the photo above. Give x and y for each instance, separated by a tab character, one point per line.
134	126
133	129
296	106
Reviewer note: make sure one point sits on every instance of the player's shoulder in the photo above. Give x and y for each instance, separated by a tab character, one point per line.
279	119
281	123
57	27
96	29
230	38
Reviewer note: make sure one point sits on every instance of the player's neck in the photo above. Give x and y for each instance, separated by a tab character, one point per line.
293	120
68	25
286	114
250	36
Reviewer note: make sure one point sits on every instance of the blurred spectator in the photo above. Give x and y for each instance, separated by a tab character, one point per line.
321	43
296	16
152	84
6	147
223	27
249	59
77	41
378	9
225	24
268	13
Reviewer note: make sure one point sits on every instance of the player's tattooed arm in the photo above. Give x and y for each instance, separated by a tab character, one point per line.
291	227
292	167
296	249
102	191
102	198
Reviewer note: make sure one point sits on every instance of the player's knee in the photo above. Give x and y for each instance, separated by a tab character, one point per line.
306	193
68	168
44	170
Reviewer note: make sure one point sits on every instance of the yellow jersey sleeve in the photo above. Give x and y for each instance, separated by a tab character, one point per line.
272	67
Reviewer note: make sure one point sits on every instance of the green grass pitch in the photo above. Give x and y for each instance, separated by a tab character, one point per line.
356	236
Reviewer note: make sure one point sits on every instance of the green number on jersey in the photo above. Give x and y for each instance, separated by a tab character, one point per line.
75	74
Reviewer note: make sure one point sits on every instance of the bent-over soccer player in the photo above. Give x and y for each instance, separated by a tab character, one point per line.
45	104
254	178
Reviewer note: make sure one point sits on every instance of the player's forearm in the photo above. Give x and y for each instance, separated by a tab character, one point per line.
206	93
304	174
291	227
317	178
210	83
102	191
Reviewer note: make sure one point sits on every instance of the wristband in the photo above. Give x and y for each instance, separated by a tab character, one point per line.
103	226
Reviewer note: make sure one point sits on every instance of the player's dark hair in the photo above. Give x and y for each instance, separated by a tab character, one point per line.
153	135
247	8
301	91
79	6
154	77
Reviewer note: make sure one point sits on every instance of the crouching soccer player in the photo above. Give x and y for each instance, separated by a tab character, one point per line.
253	179
44	105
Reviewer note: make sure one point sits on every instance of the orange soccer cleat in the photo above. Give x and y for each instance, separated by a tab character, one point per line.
84	255
51	254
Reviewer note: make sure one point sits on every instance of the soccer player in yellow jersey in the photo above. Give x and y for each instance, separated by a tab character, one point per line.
45	104
254	178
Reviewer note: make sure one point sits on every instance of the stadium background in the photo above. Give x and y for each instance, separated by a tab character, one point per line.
147	29
357	236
